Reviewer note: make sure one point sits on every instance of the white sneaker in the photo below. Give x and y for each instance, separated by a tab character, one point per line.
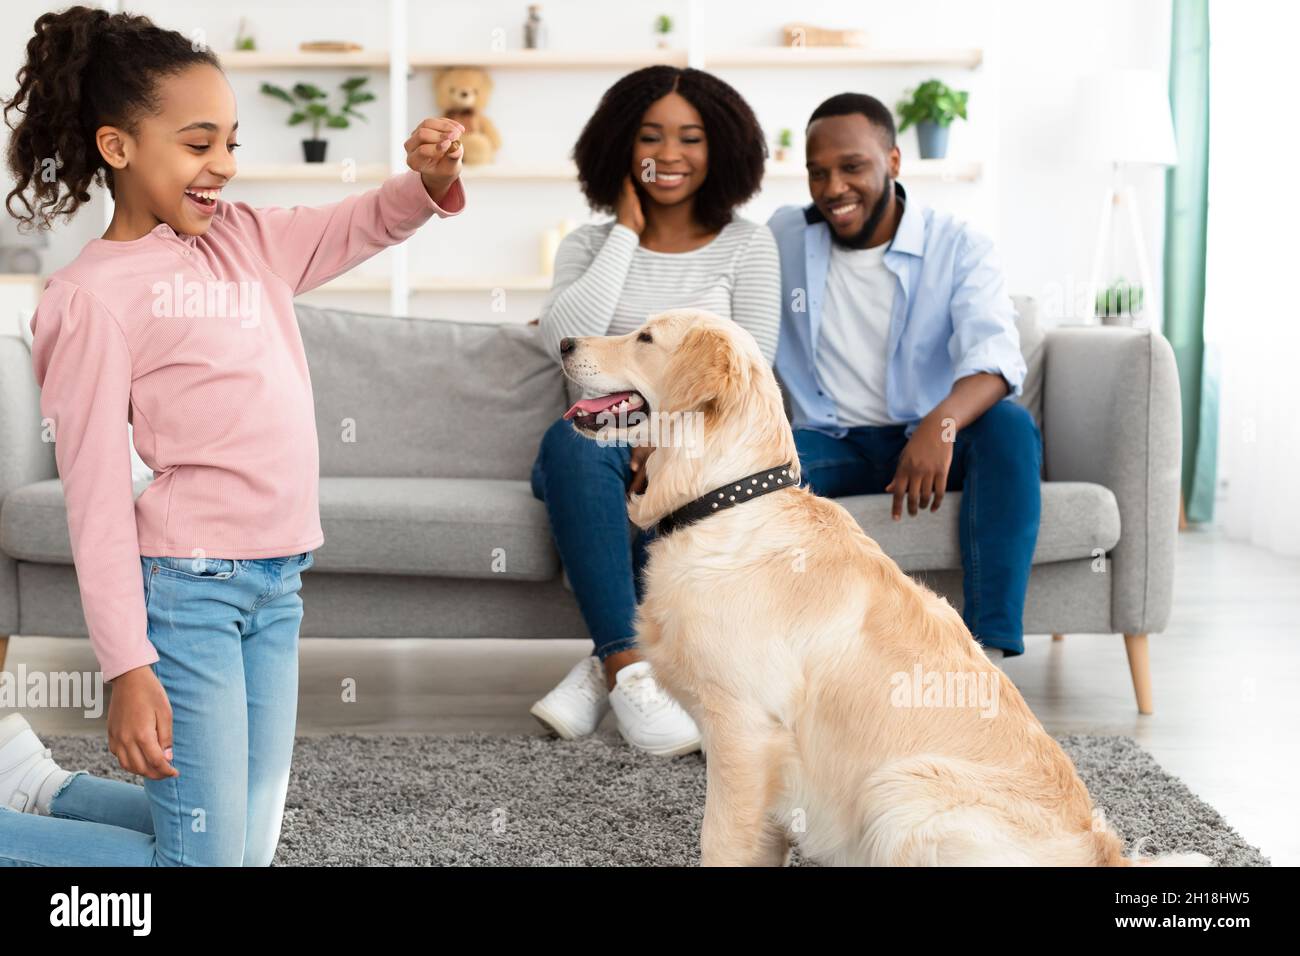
648	717
28	777
578	703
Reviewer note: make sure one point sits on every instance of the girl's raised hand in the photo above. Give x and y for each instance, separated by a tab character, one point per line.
434	151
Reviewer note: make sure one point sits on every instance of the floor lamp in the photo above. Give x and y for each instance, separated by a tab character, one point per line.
1128	123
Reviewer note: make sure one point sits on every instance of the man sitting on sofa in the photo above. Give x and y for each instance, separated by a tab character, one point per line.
900	355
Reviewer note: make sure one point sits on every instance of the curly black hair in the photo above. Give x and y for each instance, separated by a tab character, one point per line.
737	149
85	68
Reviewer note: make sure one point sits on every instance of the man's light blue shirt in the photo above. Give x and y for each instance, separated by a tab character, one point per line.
952	316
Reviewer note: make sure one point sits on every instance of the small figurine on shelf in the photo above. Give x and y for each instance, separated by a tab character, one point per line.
664	27
535	37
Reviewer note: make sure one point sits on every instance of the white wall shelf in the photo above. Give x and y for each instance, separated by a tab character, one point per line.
941	170
312	172
551	59
808	56
777	56
301	59
401	62
492	59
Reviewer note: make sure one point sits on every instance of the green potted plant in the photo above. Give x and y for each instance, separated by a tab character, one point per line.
783	142
308	105
932	107
244	39
664	27
1120	304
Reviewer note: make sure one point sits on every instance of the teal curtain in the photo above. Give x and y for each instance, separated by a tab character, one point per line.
1186	189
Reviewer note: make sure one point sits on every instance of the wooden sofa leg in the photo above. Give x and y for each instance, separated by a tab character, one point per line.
4	649
1139	665
1058	637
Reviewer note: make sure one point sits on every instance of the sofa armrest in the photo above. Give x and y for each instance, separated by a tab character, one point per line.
1112	415
24	456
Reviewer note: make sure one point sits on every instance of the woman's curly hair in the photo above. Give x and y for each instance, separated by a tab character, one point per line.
85	68
737	149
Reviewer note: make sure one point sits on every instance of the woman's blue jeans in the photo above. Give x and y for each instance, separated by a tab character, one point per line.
226	633
584	486
996	464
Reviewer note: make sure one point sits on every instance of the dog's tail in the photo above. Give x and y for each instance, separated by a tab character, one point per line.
1112	853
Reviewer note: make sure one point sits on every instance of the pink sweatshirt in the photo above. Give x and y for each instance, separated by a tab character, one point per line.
194	340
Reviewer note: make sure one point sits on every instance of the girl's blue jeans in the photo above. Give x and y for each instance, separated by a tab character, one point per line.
996	464
226	633
584	486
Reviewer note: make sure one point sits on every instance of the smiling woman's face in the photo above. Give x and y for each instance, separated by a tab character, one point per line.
670	155
188	145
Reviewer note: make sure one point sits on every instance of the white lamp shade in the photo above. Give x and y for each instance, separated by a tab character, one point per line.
1125	118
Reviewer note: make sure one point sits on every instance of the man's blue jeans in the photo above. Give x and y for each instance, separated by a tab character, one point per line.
226	633
584	486
996	464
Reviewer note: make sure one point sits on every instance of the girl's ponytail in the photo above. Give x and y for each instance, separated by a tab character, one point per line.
85	68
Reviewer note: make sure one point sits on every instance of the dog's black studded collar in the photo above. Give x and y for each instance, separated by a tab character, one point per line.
728	496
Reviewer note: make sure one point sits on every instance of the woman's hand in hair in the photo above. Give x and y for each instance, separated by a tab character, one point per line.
140	725
629	207
434	151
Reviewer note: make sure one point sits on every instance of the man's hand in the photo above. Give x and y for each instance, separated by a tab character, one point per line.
923	467
434	151
927	458
140	725
639	480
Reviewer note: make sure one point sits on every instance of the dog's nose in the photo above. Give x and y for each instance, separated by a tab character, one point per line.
566	345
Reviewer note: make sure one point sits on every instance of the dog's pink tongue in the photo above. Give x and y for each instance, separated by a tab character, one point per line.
590	406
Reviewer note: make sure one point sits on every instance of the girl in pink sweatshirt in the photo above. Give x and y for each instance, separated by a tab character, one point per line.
180	321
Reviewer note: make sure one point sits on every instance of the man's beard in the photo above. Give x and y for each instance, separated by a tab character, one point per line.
861	238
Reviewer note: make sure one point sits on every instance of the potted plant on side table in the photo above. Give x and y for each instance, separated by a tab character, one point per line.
932	107
1121	304
308	105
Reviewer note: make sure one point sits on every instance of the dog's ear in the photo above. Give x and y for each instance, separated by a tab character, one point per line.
706	372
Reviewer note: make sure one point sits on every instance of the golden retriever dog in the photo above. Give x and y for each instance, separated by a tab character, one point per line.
843	706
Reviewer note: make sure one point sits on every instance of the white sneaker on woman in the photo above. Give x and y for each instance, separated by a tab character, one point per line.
29	779
648	717
578	703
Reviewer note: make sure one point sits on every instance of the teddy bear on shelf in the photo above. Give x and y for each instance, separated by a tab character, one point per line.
462	94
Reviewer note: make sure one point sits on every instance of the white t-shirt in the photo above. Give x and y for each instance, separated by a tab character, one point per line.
853	339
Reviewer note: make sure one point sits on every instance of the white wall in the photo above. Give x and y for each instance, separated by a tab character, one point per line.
1037	199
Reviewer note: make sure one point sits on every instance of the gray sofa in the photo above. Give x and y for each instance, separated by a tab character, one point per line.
428	430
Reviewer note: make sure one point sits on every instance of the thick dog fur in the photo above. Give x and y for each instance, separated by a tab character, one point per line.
788	635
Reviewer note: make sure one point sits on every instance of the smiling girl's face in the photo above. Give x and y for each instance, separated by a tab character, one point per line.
187	147
671	142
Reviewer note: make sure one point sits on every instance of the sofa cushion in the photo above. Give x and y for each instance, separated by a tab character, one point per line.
1032	338
453	527
427	398
448	527
1078	518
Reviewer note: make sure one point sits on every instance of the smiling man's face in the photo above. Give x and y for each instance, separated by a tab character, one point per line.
851	168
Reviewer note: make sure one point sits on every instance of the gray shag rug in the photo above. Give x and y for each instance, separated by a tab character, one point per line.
481	800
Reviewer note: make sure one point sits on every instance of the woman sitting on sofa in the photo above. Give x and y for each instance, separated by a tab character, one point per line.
670	153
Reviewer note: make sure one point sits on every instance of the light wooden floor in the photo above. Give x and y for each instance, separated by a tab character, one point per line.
1227	686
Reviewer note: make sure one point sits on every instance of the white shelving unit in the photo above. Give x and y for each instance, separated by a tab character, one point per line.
401	63
943	170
